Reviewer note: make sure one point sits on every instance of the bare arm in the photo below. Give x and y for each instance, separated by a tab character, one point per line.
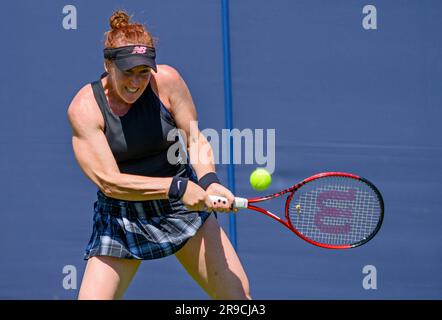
200	150
185	115
95	158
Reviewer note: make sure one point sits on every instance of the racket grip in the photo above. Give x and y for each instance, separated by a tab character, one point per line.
239	203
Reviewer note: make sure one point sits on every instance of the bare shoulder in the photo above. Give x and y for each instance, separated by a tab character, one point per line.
168	78
172	85
83	112
167	73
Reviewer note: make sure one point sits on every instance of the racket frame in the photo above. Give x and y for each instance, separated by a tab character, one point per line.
292	190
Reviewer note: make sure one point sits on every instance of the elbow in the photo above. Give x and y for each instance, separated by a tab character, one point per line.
108	184
108	190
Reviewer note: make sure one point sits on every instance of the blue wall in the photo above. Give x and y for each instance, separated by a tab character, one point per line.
339	97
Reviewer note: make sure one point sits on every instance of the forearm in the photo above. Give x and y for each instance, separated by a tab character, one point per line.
201	155
135	188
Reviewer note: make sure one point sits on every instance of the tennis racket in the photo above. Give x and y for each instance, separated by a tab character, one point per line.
333	210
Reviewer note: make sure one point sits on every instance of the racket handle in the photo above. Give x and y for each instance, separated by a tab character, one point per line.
239	203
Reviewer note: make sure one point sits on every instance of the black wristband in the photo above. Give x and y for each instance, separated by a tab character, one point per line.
177	188
207	180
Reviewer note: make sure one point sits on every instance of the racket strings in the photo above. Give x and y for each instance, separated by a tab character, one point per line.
335	210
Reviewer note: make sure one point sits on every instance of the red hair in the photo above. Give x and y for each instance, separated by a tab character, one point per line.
123	32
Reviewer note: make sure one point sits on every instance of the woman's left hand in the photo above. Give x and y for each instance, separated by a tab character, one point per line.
216	189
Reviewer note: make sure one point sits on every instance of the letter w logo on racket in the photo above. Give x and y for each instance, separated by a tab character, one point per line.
335	213
139	50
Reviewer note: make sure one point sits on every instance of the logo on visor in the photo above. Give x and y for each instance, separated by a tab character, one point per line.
139	50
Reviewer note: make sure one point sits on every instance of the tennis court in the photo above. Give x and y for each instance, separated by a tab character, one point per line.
340	98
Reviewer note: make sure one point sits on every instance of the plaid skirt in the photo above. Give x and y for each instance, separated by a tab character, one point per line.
141	229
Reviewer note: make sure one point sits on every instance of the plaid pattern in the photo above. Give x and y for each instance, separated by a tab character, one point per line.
141	229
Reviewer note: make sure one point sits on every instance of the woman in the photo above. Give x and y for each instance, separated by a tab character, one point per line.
148	207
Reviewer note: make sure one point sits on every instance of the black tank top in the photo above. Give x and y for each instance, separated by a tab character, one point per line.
138	139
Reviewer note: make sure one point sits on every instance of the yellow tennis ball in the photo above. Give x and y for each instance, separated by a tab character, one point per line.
260	179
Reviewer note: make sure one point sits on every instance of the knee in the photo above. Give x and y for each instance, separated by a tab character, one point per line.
246	293
95	292
245	296
236	290
245	290
95	296
234	295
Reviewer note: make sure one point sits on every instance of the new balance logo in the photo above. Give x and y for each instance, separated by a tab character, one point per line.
139	50
178	184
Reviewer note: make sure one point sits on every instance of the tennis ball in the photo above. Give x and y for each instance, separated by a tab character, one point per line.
260	179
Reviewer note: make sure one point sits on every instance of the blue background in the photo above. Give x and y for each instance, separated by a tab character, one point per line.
340	97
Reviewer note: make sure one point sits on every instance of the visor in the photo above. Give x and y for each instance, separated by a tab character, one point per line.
128	57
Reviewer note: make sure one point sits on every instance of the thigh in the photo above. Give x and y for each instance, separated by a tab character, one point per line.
211	260
107	278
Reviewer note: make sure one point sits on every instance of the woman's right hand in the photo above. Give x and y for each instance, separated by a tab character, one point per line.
195	198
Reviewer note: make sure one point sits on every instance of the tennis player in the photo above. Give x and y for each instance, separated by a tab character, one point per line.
147	207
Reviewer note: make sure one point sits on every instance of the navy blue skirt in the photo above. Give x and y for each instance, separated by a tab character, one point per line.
141	229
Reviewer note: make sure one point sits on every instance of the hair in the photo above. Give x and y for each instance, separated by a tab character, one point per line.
124	32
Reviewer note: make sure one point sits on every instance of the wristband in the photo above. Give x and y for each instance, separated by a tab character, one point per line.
207	180
177	188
